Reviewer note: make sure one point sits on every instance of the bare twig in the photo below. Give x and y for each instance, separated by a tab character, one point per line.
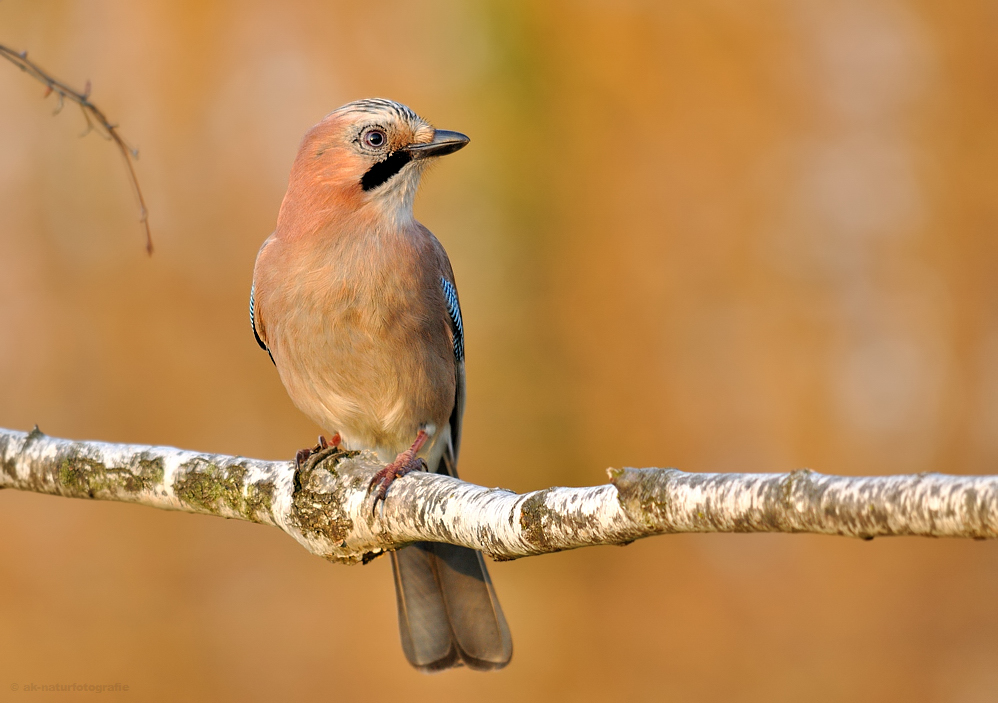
94	118
327	507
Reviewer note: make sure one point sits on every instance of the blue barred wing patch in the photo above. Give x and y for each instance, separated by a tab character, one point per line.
454	310
253	322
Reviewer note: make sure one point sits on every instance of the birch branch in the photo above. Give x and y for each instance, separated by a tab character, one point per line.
325	505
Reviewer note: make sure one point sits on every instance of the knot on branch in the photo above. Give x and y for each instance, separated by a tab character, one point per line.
318	503
647	495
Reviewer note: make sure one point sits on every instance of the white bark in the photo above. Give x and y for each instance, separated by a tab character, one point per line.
327	507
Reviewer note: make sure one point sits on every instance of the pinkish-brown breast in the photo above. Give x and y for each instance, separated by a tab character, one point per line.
357	325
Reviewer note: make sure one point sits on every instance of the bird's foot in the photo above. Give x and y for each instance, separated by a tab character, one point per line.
322	447
404	463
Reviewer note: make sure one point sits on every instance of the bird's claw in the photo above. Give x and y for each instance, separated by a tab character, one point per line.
303	455
404	464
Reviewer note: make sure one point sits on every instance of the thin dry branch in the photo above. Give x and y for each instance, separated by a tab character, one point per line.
326	506
93	117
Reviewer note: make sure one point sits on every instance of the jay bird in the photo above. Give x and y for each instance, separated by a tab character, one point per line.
355	302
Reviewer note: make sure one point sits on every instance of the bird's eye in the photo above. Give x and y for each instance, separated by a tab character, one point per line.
375	138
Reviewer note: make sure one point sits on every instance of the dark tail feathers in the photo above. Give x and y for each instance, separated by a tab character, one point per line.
448	611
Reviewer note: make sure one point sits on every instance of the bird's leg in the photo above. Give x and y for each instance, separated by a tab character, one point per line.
404	463
303	454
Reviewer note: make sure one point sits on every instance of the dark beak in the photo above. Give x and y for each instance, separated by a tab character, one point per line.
444	142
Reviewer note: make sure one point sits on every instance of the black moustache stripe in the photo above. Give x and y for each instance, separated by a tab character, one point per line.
383	171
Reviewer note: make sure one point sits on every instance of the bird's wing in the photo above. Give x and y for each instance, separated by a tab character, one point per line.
449	461
255	323
256	329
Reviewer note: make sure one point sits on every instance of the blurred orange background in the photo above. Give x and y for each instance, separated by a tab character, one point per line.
721	236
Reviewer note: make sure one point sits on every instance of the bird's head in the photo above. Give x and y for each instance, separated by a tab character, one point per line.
363	158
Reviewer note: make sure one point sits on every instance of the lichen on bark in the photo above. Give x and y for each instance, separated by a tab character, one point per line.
84	476
208	487
259	501
533	514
